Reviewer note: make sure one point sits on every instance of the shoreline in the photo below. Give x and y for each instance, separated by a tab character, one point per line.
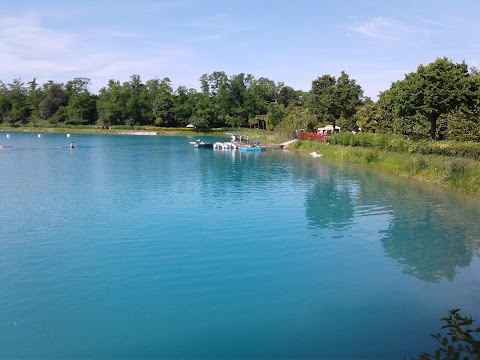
458	174
454	173
264	137
101	131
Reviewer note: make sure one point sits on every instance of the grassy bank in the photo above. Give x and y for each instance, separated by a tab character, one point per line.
451	172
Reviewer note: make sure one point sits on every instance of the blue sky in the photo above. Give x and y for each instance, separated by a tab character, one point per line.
374	42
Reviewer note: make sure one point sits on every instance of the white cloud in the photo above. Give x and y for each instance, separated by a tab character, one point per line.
24	36
29	48
382	28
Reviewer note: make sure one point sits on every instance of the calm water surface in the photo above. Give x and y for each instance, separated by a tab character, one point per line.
147	247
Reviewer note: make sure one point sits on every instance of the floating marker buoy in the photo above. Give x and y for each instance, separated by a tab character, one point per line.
8	135
68	135
39	135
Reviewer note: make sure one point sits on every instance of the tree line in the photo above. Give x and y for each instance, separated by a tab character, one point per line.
437	101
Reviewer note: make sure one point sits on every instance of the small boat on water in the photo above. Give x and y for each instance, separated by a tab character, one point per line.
224	146
5	147
201	144
238	140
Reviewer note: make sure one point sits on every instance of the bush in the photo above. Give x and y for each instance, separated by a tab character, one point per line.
419	164
370	157
455	170
398	144
419	147
470	150
343	139
381	141
459	342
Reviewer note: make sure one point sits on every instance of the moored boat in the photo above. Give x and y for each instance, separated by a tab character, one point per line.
201	144
238	140
224	146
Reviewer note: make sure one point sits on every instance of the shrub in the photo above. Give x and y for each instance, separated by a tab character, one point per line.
459	342
419	164
370	157
455	170
343	139
470	150
381	141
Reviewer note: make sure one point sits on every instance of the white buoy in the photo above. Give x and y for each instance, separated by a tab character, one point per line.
68	135
39	135
8	135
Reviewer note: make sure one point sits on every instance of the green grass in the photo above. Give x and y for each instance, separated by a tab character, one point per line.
450	172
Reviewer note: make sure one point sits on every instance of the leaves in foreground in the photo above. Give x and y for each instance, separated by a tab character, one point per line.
460	341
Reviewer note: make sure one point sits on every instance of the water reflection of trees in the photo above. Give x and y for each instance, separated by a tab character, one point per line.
431	235
329	204
432	232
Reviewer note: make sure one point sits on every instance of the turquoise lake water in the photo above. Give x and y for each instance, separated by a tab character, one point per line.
145	247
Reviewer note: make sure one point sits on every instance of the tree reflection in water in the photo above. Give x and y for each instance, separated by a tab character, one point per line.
431	233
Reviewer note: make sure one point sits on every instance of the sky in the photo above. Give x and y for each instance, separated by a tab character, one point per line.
294	42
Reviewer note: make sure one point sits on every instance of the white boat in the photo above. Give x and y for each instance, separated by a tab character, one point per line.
200	144
224	146
238	139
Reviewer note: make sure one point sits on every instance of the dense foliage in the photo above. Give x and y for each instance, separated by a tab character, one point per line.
336	100
439	101
238	100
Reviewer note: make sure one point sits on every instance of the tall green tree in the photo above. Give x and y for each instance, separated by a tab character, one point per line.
332	100
287	95
238	93
5	105
204	84
297	117
55	97
386	114
15	104
276	113
138	107
162	99
184	105
367	116
35	96
432	91
217	81
81	107
204	115
111	105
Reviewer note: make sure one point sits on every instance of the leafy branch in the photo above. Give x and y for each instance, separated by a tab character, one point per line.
460	341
